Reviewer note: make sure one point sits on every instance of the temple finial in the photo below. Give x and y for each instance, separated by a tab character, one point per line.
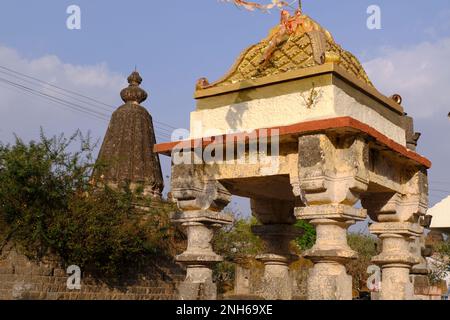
134	93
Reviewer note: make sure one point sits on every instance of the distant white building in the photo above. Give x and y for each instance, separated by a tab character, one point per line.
441	216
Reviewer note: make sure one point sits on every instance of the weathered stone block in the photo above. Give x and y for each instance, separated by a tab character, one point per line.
197	291
329	281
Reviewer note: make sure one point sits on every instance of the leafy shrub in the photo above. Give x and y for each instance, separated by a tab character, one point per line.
440	267
366	247
307	240
238	241
48	206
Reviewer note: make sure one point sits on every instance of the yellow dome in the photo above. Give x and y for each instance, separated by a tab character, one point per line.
306	45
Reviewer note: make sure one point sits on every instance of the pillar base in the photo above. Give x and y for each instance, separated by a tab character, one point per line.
329	281
396	283
198	284
277	282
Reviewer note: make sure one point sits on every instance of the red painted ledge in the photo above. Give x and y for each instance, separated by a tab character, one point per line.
302	128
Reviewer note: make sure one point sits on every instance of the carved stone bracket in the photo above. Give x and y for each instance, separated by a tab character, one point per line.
332	169
194	190
394	207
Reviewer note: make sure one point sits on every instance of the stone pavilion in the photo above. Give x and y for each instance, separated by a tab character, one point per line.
297	126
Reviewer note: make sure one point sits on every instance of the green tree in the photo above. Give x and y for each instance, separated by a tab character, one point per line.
366	247
238	240
307	240
36	183
48	206
441	267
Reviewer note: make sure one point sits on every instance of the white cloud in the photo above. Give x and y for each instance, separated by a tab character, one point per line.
420	74
24	114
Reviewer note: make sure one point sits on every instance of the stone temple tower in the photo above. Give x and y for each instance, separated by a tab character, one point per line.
127	149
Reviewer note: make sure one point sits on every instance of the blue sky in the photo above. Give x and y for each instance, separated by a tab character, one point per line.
173	43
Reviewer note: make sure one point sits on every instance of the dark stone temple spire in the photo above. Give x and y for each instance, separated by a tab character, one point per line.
127	149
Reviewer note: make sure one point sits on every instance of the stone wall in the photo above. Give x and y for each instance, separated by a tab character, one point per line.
22	279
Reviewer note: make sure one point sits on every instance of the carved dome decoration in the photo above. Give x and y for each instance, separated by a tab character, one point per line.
306	45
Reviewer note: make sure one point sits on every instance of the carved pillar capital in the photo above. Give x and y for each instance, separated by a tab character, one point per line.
396	238
331	222
276	238
394	207
273	211
200	227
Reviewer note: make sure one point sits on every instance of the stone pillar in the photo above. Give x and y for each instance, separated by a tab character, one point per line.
201	202
398	219
332	173
277	282
277	232
199	256
396	258
420	249
328	279
419	272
